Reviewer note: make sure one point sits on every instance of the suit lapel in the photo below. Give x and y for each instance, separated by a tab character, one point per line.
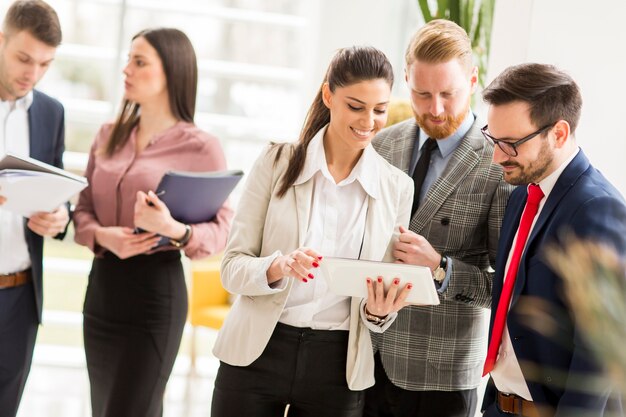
403	148
566	180
462	161
304	195
510	224
369	236
35	133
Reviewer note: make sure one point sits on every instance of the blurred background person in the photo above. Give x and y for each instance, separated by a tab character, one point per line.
32	124
136	302
288	339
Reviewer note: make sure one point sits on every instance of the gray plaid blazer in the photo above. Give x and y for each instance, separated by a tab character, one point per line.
443	347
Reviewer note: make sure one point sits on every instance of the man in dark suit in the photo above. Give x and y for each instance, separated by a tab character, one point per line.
533	114
429	361
31	124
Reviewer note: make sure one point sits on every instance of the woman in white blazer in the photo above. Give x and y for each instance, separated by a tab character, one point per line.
288	340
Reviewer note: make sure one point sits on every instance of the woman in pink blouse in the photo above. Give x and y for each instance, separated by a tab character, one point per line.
136	302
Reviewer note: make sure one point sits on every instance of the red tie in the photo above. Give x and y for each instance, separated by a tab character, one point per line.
530	211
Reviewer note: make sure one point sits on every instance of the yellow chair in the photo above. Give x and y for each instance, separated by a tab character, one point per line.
208	300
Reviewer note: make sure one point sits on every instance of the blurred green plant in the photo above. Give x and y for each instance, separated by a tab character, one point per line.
475	16
595	287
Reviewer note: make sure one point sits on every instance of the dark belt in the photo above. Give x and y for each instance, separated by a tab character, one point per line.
15	280
516	405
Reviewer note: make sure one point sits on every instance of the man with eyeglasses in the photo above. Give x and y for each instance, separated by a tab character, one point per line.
429	361
533	114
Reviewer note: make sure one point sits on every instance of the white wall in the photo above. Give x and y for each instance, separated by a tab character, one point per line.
588	40
386	25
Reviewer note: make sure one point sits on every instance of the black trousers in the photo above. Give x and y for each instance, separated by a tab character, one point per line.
301	367
18	331
134	315
385	399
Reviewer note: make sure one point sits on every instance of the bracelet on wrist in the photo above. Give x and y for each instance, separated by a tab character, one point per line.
179	243
373	318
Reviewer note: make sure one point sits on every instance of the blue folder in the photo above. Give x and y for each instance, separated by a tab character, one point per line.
196	197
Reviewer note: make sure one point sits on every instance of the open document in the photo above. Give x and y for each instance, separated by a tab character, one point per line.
348	277
31	186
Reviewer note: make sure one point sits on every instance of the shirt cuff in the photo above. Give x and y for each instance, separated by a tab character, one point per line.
441	288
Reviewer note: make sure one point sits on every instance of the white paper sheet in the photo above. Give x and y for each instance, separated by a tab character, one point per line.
28	192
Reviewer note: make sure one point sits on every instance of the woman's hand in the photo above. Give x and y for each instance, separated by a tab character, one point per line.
296	265
152	215
124	243
380	304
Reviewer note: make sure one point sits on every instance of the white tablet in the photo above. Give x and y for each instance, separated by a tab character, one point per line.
348	277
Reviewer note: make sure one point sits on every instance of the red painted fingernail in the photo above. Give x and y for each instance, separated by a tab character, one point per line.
396	281
369	281
311	276
409	285
380	279
304	280
319	258
315	264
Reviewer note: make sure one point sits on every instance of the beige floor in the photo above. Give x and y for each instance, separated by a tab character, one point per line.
58	385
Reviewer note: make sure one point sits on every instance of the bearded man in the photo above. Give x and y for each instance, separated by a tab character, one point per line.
534	110
429	361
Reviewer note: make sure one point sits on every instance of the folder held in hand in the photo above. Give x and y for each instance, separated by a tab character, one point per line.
196	197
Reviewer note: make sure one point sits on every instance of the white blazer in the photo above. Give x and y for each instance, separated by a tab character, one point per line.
265	227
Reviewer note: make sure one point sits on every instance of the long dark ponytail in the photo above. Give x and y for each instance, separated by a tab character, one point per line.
348	66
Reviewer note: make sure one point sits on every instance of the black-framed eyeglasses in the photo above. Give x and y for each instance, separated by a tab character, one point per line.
510	148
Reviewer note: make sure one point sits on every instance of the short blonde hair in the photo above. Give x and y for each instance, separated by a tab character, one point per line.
440	41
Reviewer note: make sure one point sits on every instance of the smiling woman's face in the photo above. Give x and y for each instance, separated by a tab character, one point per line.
357	112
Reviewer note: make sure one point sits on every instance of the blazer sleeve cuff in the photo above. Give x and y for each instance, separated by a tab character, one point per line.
441	288
261	277
375	328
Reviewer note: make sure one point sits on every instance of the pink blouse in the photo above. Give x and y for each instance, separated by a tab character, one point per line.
114	181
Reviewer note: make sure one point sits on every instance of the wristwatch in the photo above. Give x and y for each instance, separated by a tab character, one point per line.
184	240
377	320
440	272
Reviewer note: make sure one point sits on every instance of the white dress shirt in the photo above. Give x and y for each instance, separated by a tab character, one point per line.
14	138
336	228
507	373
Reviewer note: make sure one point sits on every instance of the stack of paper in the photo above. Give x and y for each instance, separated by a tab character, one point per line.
30	186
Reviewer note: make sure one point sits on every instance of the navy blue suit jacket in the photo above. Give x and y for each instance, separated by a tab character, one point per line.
46	124
585	203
